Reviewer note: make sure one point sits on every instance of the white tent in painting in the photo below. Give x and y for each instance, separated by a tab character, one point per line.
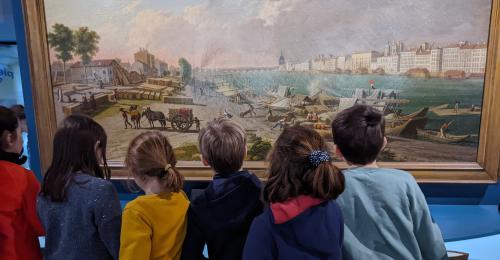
347	103
281	104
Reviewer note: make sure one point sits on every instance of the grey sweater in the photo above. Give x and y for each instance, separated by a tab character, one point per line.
86	225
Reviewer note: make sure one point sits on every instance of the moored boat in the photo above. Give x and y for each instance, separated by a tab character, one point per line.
436	136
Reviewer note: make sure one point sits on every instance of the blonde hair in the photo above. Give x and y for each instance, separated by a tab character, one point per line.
150	154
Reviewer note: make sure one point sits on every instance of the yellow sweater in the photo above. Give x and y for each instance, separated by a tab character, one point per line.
154	226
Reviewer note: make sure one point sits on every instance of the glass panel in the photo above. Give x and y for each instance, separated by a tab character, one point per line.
11	88
268	64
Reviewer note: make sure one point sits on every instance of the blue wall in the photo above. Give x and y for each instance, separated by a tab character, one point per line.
7	32
12	28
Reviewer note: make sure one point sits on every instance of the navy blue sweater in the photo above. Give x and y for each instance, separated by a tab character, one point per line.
316	233
221	217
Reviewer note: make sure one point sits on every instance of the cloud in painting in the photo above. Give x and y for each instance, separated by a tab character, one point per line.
223	33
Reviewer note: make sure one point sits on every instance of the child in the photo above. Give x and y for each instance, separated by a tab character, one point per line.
19	223
80	211
385	213
302	221
154	225
222	215
21	116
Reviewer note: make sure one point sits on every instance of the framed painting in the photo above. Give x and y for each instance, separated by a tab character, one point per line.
430	66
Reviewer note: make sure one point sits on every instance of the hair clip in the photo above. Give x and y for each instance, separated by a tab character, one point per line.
167	167
319	156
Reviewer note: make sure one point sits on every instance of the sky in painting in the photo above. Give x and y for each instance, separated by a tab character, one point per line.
240	33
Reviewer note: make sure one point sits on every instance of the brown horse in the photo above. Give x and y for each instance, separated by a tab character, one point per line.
135	116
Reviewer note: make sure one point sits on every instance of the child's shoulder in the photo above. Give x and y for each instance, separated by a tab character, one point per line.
97	186
381	174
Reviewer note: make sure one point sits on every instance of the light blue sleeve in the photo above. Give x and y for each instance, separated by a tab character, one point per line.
427	232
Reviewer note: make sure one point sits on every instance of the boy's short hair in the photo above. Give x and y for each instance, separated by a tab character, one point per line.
223	145
359	133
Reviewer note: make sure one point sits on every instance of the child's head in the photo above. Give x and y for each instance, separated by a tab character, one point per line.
11	139
359	134
79	147
223	146
300	164
150	158
21	116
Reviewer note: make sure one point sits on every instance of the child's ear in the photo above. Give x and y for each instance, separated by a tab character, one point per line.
338	153
385	143
205	163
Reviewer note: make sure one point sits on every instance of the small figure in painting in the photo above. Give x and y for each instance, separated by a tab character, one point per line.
309	116
125	118
93	102
115	94
197	123
101	84
59	95
69	97
457	103
314	117
444	129
280	123
270	112
227	114
85	103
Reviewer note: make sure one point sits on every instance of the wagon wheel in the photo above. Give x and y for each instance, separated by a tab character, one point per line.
173	123
182	123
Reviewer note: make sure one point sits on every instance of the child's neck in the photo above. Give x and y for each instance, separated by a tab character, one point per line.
369	165
154	187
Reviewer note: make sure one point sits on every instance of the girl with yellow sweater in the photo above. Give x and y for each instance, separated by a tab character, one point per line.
154	225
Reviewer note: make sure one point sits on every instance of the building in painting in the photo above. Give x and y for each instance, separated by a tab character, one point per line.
94	72
298	66
161	68
390	64
318	63
407	60
466	57
344	63
363	60
436	60
331	64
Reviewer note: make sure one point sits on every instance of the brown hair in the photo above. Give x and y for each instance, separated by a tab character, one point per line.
359	133
222	145
150	154
291	172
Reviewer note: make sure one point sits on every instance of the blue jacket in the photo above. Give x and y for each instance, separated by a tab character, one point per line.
316	233
221	217
386	217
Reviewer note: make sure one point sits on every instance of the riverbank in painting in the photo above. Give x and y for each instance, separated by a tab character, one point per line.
212	104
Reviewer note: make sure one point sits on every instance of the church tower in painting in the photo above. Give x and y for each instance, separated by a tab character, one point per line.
281	62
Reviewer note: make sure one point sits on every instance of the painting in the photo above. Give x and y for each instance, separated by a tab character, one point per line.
173	66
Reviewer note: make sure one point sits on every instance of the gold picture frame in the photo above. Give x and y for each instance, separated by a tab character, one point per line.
484	170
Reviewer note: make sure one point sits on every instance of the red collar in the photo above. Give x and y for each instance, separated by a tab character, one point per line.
289	209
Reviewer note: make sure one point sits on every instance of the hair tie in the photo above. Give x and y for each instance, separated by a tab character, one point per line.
167	167
319	156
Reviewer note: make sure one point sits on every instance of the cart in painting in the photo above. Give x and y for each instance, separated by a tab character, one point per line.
180	119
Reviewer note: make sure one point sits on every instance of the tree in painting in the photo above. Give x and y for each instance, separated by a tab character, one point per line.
186	70
62	40
86	44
